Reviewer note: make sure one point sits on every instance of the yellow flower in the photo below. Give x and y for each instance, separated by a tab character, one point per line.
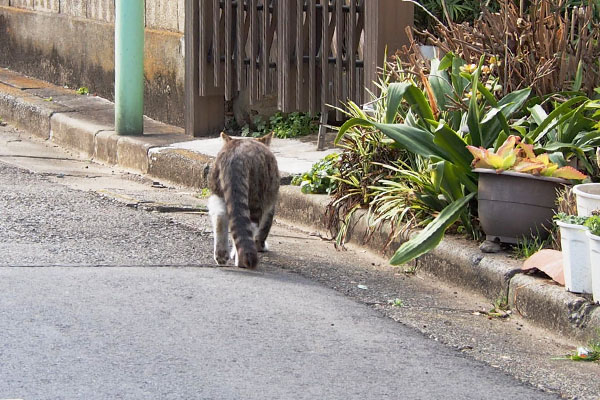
470	68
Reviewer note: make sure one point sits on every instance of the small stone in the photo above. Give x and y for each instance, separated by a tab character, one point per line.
490	247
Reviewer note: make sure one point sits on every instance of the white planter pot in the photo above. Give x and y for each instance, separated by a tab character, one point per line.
576	257
594	244
588	198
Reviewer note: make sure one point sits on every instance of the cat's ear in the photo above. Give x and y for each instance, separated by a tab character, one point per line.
225	137
266	140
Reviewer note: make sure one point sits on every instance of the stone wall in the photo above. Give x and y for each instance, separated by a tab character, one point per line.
71	43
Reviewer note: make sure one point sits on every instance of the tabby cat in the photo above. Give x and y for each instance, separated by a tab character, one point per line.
244	181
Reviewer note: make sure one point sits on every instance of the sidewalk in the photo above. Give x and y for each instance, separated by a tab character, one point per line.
86	124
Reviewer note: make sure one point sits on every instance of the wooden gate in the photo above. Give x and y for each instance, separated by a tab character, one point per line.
309	53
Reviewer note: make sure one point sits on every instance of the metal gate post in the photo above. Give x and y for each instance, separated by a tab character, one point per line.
129	67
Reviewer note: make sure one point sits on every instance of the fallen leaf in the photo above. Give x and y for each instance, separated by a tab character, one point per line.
549	262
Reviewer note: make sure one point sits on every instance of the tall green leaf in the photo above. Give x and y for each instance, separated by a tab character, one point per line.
514	101
538	114
552	119
453	145
458	82
413	138
496	118
351	123
433	233
451	186
577	122
473	119
446	61
578	77
440	85
413	95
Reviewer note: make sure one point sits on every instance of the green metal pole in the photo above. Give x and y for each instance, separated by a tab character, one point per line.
129	67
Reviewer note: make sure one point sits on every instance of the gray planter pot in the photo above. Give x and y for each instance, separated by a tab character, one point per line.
513	205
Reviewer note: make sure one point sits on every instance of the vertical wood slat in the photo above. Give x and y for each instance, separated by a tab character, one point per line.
360	31
204	104
285	73
253	68
324	54
339	67
217	42
272	82
280	52
206	74
228	13
239	40
352	48
239	50
264	51
312	54
300	90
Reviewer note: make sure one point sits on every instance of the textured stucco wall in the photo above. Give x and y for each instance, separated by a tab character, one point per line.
160	14
71	42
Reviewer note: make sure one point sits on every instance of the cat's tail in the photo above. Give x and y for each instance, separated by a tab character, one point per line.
235	194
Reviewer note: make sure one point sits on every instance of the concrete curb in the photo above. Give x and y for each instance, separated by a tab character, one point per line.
85	124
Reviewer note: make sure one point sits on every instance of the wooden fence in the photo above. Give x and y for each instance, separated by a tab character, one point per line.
309	53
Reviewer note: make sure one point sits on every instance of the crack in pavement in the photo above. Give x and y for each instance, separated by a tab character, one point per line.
126	265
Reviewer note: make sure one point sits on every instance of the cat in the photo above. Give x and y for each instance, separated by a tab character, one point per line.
244	182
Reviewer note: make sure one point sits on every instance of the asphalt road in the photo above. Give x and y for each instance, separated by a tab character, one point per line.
103	301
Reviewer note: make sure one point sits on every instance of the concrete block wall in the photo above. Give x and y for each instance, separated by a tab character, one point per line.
71	42
165	14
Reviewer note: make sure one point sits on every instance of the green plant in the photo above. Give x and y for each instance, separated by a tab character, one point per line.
593	223
321	177
589	353
292	125
429	12
282	125
570	219
500	308
455	106
529	245
433	233
83	91
570	130
365	151
396	302
204	193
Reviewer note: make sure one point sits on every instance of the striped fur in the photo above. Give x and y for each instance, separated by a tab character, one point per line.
245	179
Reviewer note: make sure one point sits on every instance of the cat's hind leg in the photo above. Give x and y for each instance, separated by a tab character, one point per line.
220	224
234	254
260	237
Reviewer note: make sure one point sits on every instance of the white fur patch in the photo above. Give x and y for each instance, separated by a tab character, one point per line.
218	216
216	205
